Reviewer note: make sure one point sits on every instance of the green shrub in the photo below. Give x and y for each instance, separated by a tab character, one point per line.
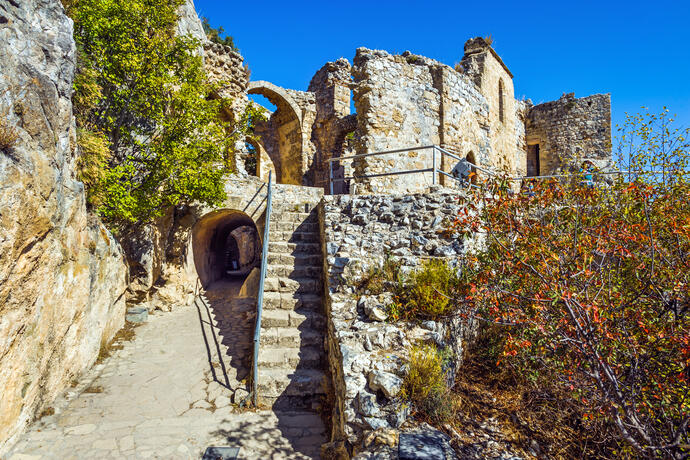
214	34
386	278
425	384
429	288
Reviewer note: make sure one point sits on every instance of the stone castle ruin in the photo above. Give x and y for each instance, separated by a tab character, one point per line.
404	101
324	348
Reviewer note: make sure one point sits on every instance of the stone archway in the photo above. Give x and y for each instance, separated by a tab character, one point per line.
226	245
282	135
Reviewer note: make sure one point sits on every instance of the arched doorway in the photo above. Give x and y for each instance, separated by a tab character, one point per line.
281	135
226	246
227	255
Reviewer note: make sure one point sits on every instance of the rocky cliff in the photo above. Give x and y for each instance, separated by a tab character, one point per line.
62	275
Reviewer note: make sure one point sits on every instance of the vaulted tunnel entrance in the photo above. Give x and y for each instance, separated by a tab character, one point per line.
227	256
226	246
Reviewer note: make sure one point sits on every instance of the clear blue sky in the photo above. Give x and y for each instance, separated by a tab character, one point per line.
639	51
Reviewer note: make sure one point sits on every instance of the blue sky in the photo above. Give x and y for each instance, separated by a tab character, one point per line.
637	51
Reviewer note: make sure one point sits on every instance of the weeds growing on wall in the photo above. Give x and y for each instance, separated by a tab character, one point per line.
216	35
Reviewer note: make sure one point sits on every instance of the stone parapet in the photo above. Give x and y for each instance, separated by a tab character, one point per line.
367	355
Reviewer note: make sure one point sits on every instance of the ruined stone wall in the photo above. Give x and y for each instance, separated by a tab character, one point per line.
226	67
464	118
366	354
520	160
306	101
331	87
62	274
570	130
483	65
397	107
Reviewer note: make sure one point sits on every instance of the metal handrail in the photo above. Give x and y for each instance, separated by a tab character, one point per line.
260	299
434	170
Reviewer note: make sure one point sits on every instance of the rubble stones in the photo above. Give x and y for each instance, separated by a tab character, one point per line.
389	384
367	355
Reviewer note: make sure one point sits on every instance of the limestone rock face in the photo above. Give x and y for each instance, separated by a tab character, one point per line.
62	274
189	23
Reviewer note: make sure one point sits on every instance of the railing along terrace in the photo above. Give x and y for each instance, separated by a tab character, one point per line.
435	152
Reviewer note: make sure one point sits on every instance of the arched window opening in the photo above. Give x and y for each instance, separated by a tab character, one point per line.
501	102
251	162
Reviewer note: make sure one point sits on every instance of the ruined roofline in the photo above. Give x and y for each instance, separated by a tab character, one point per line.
479	45
571	96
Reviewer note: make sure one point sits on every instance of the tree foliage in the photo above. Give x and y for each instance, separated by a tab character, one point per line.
215	34
141	91
590	288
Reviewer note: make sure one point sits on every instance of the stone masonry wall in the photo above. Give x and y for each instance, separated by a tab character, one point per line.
397	107
226	67
483	65
367	355
520	161
464	119
570	130
331	87
62	274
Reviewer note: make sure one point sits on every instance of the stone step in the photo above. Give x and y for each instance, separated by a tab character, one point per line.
285	301
291	337
302	227
291	216
300	260
292	272
293	286
288	359
274	383
282	247
302	318
295	237
313	403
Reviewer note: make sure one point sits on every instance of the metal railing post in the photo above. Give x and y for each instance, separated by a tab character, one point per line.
260	299
433	165
330	176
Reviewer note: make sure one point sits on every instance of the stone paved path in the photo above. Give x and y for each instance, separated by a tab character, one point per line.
158	398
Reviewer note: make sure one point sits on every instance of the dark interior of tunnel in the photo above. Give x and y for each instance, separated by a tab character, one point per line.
226	246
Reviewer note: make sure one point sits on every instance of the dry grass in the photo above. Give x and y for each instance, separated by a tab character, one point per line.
48	411
527	413
94	389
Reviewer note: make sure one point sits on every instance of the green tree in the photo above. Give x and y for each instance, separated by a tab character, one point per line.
152	135
214	34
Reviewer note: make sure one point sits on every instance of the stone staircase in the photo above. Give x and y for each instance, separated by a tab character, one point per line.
292	357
